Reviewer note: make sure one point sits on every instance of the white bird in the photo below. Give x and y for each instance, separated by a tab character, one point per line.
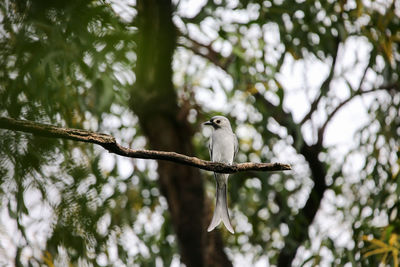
223	146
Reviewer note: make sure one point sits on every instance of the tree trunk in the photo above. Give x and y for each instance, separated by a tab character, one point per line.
154	101
300	225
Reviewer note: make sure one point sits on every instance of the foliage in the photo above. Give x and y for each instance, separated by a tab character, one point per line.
259	45
391	248
72	63
58	64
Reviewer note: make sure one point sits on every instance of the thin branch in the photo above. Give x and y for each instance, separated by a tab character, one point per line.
284	118
321	131
108	142
324	87
207	52
353	93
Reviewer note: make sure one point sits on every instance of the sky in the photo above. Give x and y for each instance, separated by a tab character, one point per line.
301	79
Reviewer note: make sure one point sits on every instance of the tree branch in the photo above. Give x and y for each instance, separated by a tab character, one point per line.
359	92
299	223
324	87
108	142
207	52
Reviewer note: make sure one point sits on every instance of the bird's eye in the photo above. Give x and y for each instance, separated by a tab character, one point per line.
217	121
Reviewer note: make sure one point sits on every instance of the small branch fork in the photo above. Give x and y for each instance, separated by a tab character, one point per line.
108	142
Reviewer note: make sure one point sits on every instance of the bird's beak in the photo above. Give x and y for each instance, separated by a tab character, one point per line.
207	123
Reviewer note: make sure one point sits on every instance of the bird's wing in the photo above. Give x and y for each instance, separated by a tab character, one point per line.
210	148
236	145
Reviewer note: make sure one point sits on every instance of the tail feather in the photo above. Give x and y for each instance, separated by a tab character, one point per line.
221	209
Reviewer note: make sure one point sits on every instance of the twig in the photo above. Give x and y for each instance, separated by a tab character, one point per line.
359	92
108	142
324	87
206	51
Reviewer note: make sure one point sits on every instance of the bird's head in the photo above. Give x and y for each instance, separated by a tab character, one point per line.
219	122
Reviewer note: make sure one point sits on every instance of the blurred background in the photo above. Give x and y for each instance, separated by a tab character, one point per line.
311	83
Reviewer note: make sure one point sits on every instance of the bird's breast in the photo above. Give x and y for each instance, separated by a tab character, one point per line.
223	146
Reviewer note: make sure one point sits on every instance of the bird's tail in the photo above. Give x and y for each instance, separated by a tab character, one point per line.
221	209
